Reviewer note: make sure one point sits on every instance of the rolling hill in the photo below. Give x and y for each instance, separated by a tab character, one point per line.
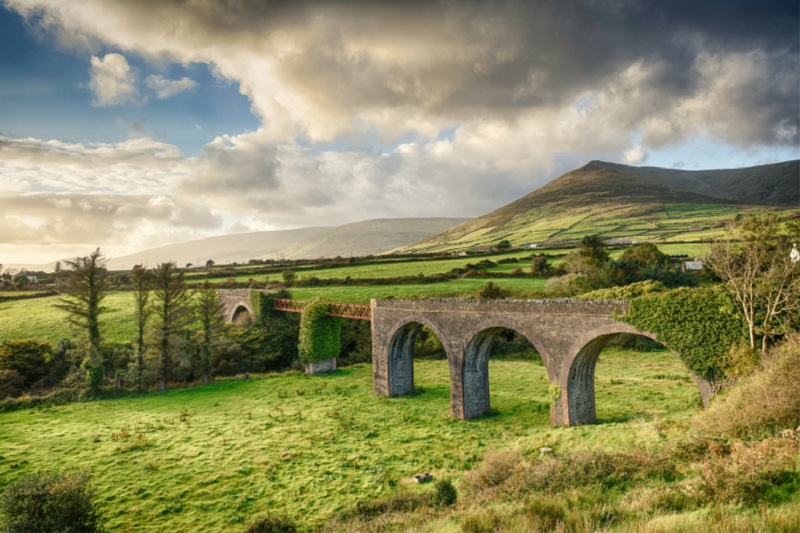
777	184
367	237
358	239
602	198
222	249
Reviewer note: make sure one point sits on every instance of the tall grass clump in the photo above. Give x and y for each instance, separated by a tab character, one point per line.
761	404
271	524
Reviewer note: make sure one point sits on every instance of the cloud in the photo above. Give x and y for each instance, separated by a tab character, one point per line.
327	70
112	81
197	217
463	106
635	155
165	88
238	227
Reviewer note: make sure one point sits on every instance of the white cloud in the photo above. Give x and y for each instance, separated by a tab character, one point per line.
635	155
112	81
165	88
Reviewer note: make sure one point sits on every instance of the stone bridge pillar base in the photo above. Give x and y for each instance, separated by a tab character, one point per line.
326	365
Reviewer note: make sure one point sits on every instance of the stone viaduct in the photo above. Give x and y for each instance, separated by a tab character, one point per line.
235	302
568	334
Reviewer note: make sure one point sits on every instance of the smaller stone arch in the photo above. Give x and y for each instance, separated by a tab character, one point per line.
400	352
473	374
239	310
577	403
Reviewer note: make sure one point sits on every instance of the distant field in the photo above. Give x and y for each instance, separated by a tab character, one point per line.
311	446
670	222
39	318
361	294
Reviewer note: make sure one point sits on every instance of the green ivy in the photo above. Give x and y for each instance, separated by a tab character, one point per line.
320	334
263	302
700	324
633	290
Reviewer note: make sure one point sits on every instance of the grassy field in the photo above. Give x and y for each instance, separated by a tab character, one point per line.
311	446
39	318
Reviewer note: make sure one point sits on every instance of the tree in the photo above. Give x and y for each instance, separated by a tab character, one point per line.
593	247
58	267
753	261
173	312
141	281
503	245
645	255
210	263
540	266
209	312
289	276
86	288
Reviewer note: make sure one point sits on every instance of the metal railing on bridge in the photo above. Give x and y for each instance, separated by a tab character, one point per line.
361	312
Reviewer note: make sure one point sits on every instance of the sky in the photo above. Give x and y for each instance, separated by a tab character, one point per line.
130	124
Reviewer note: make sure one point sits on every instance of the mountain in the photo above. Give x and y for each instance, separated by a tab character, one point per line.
777	184
222	249
603	198
357	239
368	237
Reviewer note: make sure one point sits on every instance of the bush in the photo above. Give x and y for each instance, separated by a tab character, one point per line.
51	502
490	291
271	524
445	493
320	334
11	384
761	404
26	356
633	290
497	466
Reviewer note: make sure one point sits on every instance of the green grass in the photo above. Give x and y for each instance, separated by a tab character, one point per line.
39	318
361	294
311	446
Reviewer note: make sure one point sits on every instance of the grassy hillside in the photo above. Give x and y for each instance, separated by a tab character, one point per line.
593	200
777	184
311	447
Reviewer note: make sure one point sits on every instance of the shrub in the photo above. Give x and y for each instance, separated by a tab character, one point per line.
399	502
497	466
445	493
623	293
481	521
26	356
51	502
761	404
11	384
271	524
490	291
320	334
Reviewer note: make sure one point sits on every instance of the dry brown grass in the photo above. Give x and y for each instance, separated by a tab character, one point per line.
759	405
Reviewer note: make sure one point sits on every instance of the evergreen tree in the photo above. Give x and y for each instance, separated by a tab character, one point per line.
209	312
173	312
141	281
85	289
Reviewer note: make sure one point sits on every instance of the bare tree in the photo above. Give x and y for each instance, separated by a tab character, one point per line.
209	312
173	312
85	289
753	260
141	281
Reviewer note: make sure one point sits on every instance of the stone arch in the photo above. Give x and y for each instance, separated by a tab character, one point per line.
238	309
474	369
577	402
400	367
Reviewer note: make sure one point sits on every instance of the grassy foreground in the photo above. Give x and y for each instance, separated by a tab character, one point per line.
211	457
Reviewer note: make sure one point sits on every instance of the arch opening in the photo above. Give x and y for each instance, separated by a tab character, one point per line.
242	317
411	340
638	376
498	343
